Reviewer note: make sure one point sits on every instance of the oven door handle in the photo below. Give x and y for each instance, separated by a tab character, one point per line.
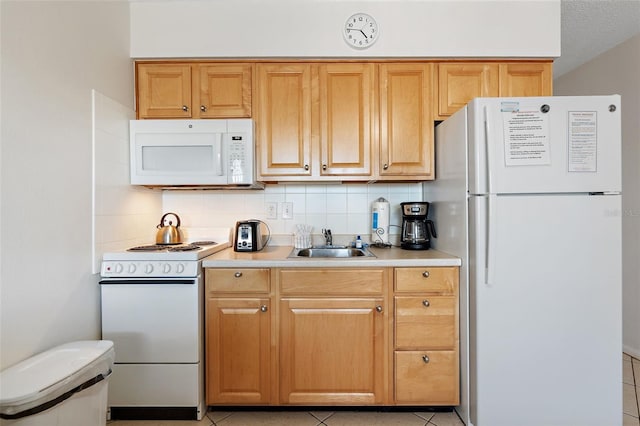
146	281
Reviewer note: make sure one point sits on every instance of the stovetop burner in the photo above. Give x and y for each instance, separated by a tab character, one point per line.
151	247
188	247
204	243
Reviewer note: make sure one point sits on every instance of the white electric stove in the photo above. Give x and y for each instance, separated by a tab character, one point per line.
153	311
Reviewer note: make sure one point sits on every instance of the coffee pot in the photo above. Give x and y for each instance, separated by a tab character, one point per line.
417	230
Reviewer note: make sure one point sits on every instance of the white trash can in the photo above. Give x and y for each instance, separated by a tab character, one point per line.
64	386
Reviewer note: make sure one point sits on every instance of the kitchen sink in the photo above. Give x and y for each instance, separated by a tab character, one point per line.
331	252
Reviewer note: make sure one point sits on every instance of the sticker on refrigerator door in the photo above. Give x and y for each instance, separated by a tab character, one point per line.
526	138
583	141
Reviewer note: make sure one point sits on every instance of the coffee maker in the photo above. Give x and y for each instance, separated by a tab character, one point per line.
417	230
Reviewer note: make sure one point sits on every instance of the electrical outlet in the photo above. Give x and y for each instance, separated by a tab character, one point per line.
287	210
272	210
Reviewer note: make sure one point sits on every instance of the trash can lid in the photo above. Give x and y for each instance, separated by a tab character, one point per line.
49	374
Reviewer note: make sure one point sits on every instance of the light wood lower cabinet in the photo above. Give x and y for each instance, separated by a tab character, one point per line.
426	355
331	351
332	336
238	332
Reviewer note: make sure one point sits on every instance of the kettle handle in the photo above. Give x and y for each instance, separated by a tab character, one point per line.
167	214
432	228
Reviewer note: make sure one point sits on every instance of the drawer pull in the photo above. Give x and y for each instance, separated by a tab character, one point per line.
237	274
425	274
264	308
425	359
379	308
426	303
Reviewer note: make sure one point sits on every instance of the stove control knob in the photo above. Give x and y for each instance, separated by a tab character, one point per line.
118	268
132	268
166	268
180	268
148	268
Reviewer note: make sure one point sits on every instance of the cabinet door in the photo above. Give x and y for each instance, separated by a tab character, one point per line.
225	91
346	106
406	121
458	83
164	91
526	79
283	120
238	361
331	351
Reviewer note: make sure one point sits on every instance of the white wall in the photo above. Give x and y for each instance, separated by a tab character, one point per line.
53	55
313	28
618	71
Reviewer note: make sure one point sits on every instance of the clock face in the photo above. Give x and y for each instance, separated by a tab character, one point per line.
360	31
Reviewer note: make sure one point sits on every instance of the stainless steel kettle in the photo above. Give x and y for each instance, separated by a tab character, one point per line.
169	234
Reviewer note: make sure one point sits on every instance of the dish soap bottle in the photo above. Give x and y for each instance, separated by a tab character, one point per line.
358	242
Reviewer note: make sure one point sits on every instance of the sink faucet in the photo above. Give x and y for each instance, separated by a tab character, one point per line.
328	238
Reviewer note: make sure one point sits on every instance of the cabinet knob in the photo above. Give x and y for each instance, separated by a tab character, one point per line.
324	167
426	303
185	108
425	274
264	308
306	167
379	308
385	166
203	108
237	274
425	359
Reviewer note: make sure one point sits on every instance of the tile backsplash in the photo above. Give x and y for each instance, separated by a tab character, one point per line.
343	208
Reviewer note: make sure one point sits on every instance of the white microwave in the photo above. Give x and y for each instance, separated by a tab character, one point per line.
192	153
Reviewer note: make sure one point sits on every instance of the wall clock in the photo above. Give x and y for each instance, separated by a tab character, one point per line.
360	31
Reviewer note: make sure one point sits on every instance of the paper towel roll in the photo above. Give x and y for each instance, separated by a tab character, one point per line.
380	217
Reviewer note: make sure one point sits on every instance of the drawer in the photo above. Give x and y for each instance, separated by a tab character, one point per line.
426	280
332	281
237	280
426	322
427	378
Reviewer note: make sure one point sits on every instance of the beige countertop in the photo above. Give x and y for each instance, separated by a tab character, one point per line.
276	257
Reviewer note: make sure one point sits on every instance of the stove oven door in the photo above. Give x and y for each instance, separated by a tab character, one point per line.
153	320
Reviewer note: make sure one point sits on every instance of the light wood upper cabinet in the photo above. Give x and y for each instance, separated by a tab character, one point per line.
191	90
164	91
347	103
458	83
283	120
406	121
225	91
526	79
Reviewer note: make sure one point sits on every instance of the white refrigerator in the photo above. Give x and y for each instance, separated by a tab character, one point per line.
527	193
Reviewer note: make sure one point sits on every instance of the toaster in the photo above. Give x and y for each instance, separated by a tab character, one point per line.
249	235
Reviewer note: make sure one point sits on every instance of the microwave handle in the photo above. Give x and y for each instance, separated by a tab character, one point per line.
218	158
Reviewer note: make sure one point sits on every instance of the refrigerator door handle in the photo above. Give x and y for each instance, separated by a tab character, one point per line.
487	153
489	259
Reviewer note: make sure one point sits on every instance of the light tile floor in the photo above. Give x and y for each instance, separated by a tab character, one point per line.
630	390
630	383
